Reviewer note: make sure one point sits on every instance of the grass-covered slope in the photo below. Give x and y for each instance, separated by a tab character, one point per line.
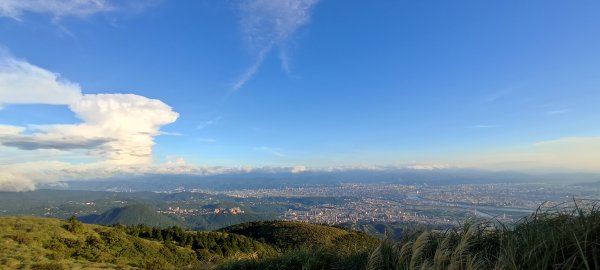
566	239
131	215
209	246
292	235
44	243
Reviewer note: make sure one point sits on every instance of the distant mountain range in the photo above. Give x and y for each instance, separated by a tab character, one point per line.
449	176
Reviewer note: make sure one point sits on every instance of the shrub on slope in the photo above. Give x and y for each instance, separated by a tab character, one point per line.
44	243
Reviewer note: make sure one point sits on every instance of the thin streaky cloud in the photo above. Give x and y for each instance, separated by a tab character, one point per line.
483	126
249	73
555	112
208	123
267	24
57	9
499	95
15	9
271	150
206	140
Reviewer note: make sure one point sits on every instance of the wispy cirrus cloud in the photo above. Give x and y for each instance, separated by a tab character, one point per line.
268	24
483	126
208	123
17	9
559	111
206	140
271	150
56	8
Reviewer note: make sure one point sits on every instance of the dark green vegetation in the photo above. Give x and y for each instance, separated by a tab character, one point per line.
209	246
102	207
567	238
44	243
558	239
213	222
131	215
288	235
392	230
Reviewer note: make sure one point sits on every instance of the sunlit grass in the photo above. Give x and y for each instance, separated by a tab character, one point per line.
566	236
45	243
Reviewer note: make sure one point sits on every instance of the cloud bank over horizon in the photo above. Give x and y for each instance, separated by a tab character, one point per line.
115	136
372	92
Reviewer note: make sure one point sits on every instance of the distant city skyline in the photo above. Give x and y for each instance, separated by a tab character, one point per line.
99	88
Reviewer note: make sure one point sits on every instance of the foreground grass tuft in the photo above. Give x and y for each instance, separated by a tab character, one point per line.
561	237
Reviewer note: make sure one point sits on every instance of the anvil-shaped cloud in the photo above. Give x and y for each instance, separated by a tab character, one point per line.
118	128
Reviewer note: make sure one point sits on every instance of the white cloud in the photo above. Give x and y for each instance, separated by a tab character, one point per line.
429	167
14	182
298	169
26	176
6	130
118	129
29	175
57	8
23	83
267	24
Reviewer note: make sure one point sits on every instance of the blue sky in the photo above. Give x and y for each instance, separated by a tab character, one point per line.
321	82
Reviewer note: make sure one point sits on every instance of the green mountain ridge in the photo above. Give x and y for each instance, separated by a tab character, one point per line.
292	235
131	215
566	238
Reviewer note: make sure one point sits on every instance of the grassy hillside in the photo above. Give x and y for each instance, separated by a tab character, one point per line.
292	235
44	243
47	243
209	246
558	239
131	215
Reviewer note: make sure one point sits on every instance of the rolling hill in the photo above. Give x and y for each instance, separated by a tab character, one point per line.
47	243
131	215
564	239
288	235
